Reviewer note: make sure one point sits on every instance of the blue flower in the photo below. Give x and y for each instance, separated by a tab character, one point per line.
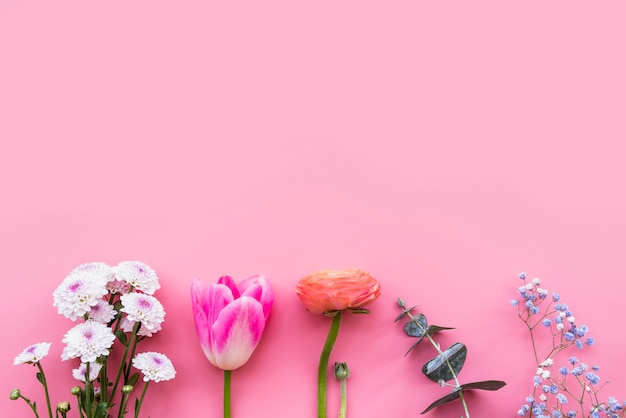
592	378
514	302
573	360
546	322
522	276
564	371
579	344
569	336
577	371
590	341
556	297
537	380
561	398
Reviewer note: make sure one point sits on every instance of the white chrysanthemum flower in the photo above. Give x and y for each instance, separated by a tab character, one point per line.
102	312
32	354
81	289
139	275
94	371
143	308
127	325
154	366
88	340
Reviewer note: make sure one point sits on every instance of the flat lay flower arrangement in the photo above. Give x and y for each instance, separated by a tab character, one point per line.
116	310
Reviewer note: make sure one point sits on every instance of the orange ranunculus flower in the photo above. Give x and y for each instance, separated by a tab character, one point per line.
334	290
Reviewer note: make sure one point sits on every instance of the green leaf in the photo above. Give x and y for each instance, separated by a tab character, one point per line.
137	406
455	394
122	337
133	379
438	368
40	377
416	327
101	410
358	310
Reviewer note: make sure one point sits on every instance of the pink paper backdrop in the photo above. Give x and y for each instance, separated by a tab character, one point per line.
443	146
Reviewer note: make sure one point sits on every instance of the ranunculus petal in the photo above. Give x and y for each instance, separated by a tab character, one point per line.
258	287
236	332
333	290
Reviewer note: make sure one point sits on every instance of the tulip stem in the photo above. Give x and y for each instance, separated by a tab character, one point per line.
227	378
322	371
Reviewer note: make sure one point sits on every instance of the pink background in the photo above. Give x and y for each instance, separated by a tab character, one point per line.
443	146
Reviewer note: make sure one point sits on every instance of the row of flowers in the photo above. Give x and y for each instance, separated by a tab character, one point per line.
115	308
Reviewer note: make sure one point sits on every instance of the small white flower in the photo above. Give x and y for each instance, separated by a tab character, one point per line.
571	319
560	326
139	275
81	289
536	281
529	286
94	371
154	366
543	397
547	362
145	309
545	374
88	340
32	354
102	312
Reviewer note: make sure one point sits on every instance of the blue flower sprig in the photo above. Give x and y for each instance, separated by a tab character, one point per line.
571	390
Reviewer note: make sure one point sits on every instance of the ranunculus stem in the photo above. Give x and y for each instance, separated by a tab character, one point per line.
227	378
322	371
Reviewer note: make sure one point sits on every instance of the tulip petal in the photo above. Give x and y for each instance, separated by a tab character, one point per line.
258	287
236	332
232	285
207	302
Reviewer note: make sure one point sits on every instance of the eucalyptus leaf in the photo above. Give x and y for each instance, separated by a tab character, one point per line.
416	327
438	368
484	385
455	394
433	329
404	313
419	340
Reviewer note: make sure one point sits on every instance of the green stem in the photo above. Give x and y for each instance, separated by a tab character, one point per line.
88	392
45	388
32	406
322	371
143	394
227	379
343	407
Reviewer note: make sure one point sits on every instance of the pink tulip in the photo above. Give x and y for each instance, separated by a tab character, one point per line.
230	318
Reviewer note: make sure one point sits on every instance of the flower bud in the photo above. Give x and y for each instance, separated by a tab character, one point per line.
127	389
341	371
63	407
75	390
15	394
